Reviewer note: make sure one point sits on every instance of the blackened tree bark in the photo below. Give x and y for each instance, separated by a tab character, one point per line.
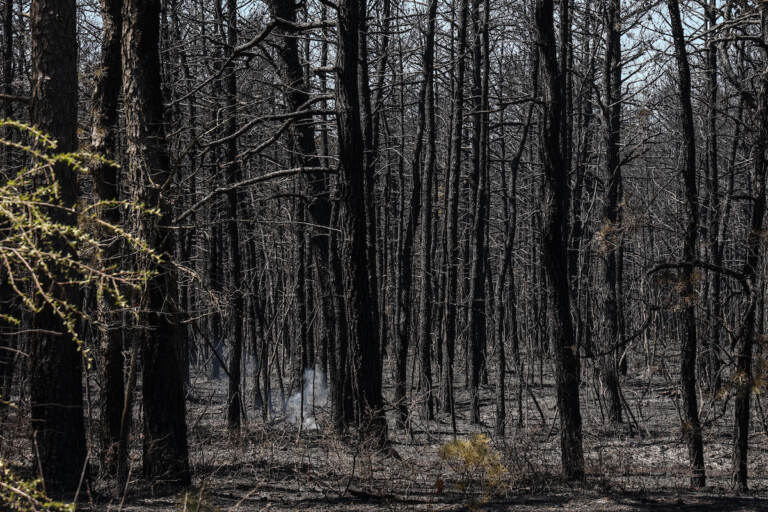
425	306
56	393
165	433
376	108
258	326
217	244
105	188
406	251
233	175
712	354
301	307
215	276
691	426
611	231
479	179
8	67
187	239
7	295
340	392
555	249
753	262
364	354
583	151
452	263
370	160
564	57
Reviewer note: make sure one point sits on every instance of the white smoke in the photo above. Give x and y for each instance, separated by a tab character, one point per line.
315	395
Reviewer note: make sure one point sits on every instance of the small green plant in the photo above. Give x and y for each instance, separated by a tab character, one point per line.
476	464
19	495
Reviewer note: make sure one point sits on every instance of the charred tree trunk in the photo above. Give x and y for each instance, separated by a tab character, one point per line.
479	178
425	306
7	296
555	250
233	175
376	116
359	291
712	354
8	67
56	392
611	230
370	160
165	433
105	188
406	250
752	265
452	249
692	426
341	395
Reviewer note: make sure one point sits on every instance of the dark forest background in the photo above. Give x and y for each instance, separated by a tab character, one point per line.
392	224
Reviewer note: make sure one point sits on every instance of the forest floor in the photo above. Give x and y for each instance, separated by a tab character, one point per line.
640	466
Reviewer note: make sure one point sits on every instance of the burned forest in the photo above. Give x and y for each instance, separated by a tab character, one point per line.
383	255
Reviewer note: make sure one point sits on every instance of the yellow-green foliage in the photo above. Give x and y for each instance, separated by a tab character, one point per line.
18	495
475	462
32	236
